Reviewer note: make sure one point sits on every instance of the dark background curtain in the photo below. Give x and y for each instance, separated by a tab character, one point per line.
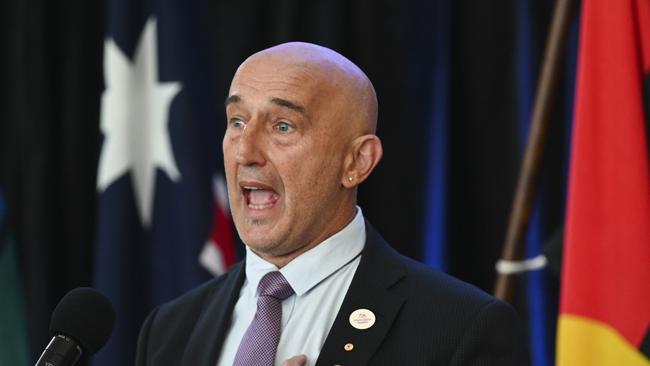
455	81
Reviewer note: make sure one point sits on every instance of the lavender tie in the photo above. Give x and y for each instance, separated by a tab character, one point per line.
260	342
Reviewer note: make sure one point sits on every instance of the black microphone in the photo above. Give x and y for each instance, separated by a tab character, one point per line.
81	323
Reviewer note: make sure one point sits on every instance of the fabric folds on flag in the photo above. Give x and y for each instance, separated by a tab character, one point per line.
218	253
160	151
605	297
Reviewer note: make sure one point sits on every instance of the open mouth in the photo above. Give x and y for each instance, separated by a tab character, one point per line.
258	196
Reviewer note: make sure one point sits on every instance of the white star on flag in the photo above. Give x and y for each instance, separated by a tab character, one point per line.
134	120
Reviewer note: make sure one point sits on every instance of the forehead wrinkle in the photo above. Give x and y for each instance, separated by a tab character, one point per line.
284	103
295	89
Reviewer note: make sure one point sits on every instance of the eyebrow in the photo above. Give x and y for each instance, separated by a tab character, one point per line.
232	99
291	105
277	101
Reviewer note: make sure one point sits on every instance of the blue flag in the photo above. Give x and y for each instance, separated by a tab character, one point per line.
160	159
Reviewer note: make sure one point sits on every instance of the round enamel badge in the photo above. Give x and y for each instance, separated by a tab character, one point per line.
362	319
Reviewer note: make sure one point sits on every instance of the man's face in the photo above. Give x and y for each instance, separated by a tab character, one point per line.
283	152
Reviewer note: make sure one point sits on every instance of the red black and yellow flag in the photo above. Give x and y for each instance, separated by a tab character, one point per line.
605	296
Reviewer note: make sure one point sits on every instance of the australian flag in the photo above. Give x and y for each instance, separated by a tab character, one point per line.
162	223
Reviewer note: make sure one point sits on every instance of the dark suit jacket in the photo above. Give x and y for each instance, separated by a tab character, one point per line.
424	317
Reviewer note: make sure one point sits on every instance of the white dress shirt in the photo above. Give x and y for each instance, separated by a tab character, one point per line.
320	279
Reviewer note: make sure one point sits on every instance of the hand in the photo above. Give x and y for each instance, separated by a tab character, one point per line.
300	360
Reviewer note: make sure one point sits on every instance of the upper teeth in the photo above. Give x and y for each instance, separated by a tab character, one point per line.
252	188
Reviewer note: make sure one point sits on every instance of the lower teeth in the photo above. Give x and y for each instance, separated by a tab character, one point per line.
259	207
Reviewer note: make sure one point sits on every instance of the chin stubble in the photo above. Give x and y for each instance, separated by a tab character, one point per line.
255	221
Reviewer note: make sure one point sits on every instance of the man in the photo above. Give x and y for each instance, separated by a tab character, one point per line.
319	286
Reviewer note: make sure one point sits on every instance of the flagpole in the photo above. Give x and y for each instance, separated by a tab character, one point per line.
522	205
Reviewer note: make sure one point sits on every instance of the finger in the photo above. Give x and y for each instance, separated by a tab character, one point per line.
300	360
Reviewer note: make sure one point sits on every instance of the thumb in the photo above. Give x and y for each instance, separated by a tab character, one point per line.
300	360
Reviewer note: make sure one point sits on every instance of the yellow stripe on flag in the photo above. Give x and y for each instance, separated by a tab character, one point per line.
584	341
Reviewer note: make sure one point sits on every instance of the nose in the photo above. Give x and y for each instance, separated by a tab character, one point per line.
249	150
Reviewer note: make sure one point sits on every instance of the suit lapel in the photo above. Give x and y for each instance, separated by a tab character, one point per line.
214	321
378	270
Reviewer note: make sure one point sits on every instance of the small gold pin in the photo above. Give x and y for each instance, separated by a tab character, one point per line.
348	347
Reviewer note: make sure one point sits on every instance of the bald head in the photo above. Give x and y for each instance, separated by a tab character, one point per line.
300	139
344	85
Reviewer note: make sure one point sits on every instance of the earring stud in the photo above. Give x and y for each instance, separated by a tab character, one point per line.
350	179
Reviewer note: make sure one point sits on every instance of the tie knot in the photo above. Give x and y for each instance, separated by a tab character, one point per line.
275	285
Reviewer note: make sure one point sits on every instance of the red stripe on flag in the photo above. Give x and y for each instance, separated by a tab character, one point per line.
606	270
221	235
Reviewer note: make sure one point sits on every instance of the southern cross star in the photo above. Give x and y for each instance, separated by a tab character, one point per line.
134	120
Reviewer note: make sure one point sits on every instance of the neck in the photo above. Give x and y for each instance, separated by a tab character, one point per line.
284	259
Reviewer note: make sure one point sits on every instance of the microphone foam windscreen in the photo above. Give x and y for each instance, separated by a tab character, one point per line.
85	315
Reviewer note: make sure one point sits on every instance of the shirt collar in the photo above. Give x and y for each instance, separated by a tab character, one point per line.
313	266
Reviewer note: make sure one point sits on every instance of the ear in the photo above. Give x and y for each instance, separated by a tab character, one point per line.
363	157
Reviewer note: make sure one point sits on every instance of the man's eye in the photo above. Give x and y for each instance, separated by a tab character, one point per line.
283	126
237	123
